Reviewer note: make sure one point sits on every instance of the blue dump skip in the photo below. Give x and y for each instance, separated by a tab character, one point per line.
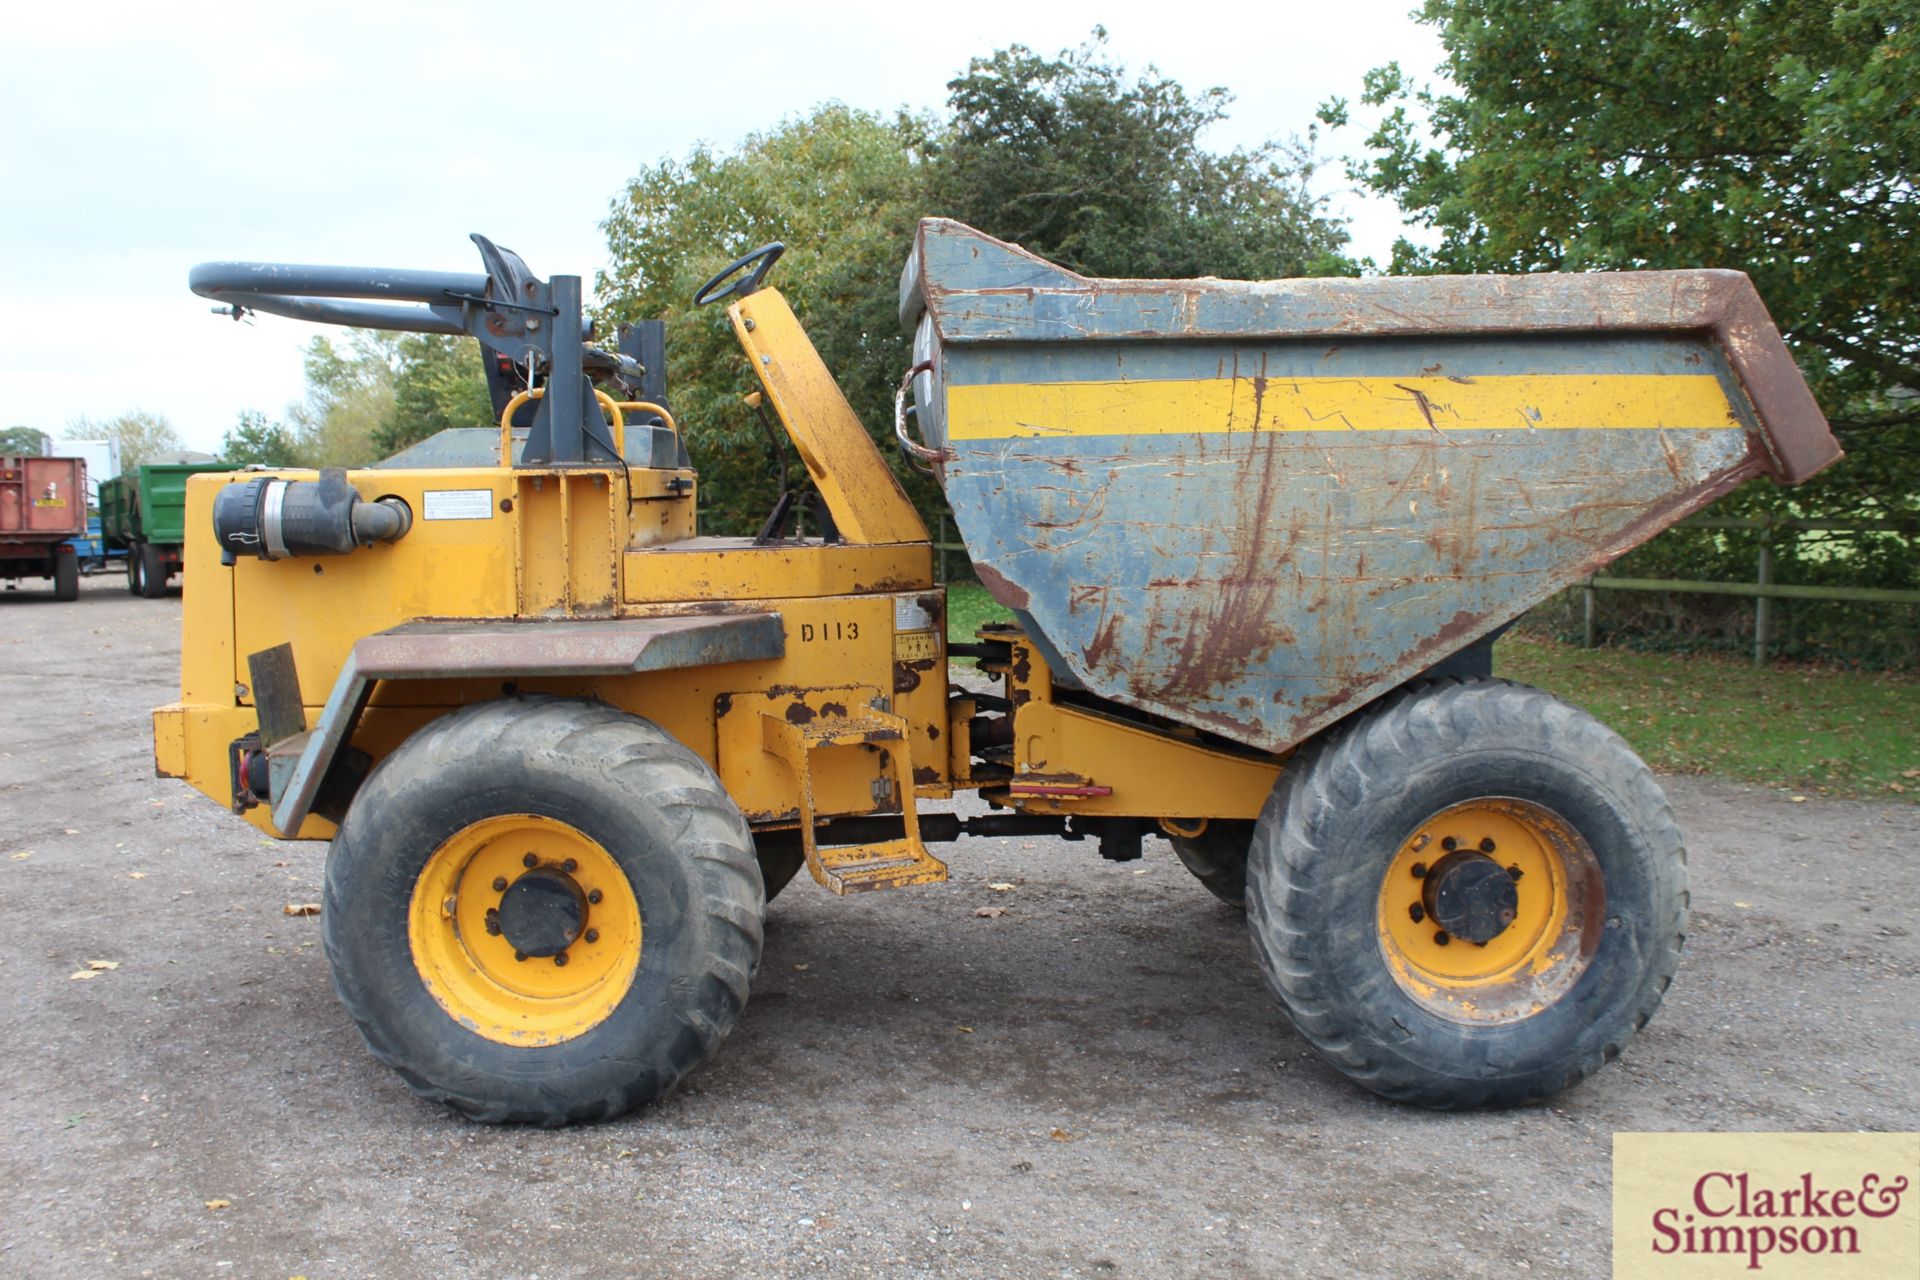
1254	507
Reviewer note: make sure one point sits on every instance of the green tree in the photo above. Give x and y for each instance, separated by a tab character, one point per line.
258	440
1077	160
349	396
843	190
376	392
1068	156
1776	137
141	435
437	383
22	441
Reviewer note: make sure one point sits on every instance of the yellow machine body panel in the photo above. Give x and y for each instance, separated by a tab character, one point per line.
853	718
867	501
1072	760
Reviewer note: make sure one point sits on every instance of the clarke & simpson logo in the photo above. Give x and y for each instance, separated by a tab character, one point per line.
1834	1205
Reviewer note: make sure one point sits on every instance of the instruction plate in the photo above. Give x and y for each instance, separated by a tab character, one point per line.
459	504
911	646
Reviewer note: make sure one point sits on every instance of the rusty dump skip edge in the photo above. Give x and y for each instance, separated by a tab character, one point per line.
1795	439
982	291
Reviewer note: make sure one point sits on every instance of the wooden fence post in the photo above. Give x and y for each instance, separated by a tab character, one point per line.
1763	605
1586	616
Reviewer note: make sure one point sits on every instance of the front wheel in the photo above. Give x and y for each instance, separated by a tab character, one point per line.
1470	895
543	910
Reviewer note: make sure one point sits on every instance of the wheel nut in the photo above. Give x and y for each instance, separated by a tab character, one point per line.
499	884
569	866
1441	939
529	861
561	959
593	935
1449	844
519	955
1514	871
1418	912
594	896
1486	844
1419	871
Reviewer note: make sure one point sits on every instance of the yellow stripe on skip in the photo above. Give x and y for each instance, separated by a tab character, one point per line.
1524	402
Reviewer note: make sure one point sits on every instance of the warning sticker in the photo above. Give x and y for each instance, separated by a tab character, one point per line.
910	615
459	504
911	646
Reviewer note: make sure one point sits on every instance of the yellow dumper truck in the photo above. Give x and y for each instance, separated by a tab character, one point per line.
1257	539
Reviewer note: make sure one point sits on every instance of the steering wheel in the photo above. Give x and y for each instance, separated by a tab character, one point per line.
761	260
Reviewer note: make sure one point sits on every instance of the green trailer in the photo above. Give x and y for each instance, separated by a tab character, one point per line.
144	511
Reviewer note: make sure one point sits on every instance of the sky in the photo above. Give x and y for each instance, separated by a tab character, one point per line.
141	139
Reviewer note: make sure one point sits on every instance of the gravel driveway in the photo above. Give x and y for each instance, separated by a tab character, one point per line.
1094	1083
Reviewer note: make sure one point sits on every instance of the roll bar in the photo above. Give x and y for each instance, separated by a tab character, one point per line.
510	311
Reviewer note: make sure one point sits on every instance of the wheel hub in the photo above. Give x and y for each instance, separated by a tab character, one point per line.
1470	896
542	912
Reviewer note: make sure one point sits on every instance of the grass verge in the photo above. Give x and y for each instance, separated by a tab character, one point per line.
1808	729
969	608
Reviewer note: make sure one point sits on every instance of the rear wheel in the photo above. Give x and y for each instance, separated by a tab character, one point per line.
543	910
1217	857
779	863
134	561
1471	895
153	571
66	575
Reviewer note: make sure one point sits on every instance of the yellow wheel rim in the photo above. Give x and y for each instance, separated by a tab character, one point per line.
475	970
1557	904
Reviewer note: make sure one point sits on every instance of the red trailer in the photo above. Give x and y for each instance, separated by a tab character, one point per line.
43	502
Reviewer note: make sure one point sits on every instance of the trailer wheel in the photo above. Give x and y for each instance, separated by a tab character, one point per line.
1217	857
134	585
153	570
66	575
1470	895
542	910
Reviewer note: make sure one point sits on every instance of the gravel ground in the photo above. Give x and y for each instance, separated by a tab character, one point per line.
1093	1084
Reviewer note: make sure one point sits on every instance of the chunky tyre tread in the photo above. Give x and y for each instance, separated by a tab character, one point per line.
1358	764
644	763
1217	858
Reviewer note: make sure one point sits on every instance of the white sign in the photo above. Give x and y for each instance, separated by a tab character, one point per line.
459	504
910	615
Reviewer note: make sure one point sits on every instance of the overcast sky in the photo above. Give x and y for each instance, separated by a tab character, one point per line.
140	139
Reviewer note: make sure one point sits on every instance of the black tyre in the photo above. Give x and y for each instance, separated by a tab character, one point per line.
1470	895
153	570
542	910
1217	857
134	585
779	863
66	575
